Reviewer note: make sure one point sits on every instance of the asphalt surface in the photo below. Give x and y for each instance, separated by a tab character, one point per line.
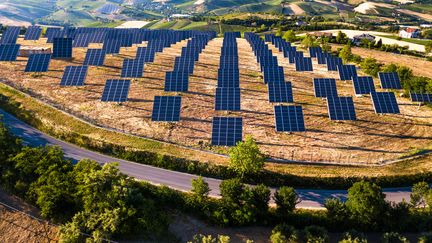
311	198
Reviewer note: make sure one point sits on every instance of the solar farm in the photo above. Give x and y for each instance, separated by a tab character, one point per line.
197	90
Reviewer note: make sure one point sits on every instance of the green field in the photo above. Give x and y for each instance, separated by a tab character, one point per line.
414	41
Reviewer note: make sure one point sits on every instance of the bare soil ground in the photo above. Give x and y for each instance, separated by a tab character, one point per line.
369	139
16	226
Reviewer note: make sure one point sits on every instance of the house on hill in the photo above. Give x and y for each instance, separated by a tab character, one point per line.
357	40
409	33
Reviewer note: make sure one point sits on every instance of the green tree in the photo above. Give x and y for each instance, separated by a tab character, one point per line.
341	38
336	211
200	189
353	237
309	41
316	234
284	233
246	158
428	47
209	239
286	199
346	53
260	200
370	66
417	84
379	44
393	237
366	204
425	238
290	36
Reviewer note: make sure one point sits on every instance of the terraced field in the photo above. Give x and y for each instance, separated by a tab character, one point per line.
369	139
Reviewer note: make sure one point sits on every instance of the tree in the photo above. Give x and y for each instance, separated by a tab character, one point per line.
290	36
308	41
425	238
284	233
336	211
345	53
428	47
353	237
379	44
341	38
286	200
246	158
370	66
209	239
366	204
393	237
200	189
260	200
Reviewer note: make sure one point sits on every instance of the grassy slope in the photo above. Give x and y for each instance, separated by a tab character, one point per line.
414	41
27	10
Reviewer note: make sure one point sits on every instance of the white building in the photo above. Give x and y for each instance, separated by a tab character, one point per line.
409	33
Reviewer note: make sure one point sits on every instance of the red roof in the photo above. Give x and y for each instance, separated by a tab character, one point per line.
411	30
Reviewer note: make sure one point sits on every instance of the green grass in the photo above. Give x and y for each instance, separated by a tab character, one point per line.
417	7
413	41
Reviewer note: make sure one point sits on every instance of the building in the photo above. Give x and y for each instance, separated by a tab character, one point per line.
409	33
357	40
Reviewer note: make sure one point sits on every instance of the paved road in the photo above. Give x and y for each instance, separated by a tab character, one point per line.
311	198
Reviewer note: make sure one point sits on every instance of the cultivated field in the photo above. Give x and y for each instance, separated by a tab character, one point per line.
370	139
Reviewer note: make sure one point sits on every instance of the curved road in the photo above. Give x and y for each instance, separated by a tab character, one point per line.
311	198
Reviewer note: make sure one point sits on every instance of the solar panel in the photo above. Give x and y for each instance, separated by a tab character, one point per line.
112	45
303	64
116	90
227	131
74	76
132	68
280	92
176	81
347	72
62	48
390	80
424	98
385	102
333	63
363	85
313	51
10	35
94	57
325	87
341	108
9	52
227	99
38	63
322	57
289	119
166	108
33	33
273	74
82	40
229	78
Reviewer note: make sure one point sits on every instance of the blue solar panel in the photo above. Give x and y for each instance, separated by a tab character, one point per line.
38	63
325	87
420	97
62	48
94	57
166	108
322	57
82	40
54	32
9	52
341	108
112	45
280	92
303	64
347	72
132	68
176	81
33	33
385	102
227	131
273	74
333	63
227	99
74	76
289	119
390	80
229	78
10	36
116	90
314	51
145	54
363	85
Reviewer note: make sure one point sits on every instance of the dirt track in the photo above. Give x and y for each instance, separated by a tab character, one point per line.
371	138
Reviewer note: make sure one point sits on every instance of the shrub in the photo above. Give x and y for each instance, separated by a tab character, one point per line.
209	239
246	158
286	199
284	233
353	237
393	237
200	189
425	238
316	234
336	211
370	66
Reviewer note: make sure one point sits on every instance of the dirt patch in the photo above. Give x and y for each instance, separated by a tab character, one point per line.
369	139
424	16
296	9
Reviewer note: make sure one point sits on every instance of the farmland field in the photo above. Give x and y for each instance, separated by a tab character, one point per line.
368	140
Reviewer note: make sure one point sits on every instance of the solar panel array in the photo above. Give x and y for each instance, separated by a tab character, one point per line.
385	103
62	48
363	85
421	97
325	87
390	80
33	33
176	81
166	108
289	119
347	72
333	63
132	68
38	63
10	36
280	92
303	64
227	131
9	52
74	76
341	108
116	90
94	57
